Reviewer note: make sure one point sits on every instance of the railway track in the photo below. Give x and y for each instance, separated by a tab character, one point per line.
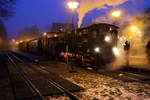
41	74
126	76
137	77
19	74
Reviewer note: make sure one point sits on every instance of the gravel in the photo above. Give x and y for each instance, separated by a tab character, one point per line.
99	87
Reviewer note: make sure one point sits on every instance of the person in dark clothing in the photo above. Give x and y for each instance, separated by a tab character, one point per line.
148	45
148	51
127	46
127	49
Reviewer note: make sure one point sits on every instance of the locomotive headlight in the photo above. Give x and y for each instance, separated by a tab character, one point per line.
107	38
116	51
97	49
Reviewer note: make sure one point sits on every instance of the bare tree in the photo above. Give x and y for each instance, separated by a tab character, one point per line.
6	8
6	11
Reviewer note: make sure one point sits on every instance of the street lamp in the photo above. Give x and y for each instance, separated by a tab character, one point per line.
73	5
136	29
45	34
116	13
45	42
133	28
17	42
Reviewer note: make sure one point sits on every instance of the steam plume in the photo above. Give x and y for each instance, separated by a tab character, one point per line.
138	37
89	5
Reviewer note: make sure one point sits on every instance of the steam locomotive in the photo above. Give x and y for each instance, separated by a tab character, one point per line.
91	46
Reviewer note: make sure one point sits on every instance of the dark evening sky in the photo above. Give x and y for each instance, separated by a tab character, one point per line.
44	12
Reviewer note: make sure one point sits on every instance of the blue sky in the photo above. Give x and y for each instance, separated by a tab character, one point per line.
43	12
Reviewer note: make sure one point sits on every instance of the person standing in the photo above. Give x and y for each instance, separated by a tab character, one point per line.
127	49
148	51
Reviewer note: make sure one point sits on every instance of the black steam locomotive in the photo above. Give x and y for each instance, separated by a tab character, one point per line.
92	46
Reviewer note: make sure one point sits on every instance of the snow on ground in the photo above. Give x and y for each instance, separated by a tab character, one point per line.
100	87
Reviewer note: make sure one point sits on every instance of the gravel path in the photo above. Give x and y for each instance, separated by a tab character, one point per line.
100	87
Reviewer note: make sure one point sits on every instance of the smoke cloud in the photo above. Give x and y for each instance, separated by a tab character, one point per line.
89	5
134	31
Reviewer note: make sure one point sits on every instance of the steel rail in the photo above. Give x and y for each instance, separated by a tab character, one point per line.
12	84
26	79
58	86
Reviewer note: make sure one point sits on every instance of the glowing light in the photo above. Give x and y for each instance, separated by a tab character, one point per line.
55	35
45	34
97	49
133	28
110	29
116	13
73	4
13	40
21	41
116	51
17	42
107	38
